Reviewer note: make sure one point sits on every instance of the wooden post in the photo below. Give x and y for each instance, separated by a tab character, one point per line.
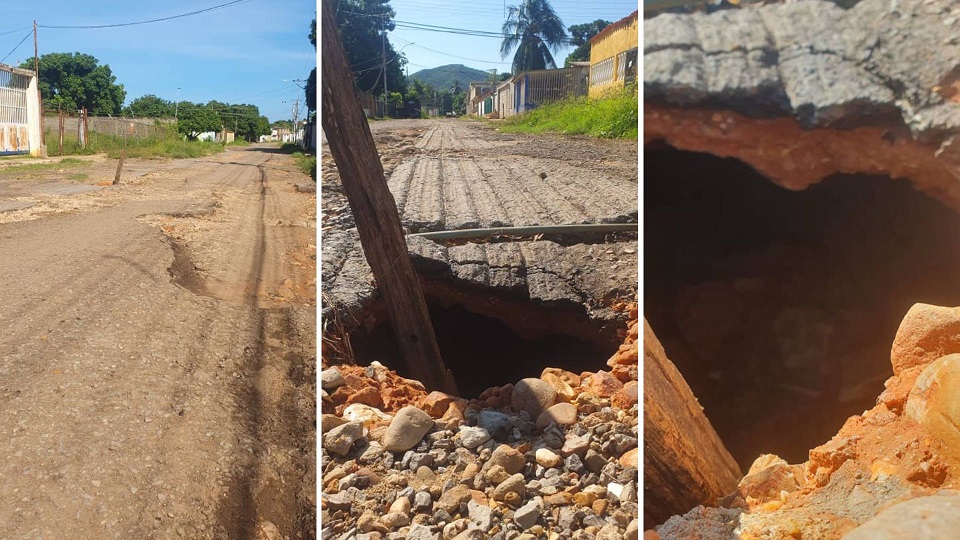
123	156
375	211
685	463
60	115
86	133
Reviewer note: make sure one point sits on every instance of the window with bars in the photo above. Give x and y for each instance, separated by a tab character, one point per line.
13	98
601	72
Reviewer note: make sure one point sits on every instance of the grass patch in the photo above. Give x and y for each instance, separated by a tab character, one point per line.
613	117
307	164
165	144
78	176
290	148
33	167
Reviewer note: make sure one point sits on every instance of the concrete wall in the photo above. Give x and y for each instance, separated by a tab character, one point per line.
33	120
608	55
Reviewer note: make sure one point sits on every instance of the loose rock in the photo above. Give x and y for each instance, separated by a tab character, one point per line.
533	395
406	429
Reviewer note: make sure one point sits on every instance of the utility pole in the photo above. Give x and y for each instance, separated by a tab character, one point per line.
383	51
296	114
176	108
36	67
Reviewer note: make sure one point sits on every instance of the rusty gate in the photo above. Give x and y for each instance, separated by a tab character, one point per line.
14	130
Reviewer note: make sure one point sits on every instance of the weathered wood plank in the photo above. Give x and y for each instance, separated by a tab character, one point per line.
684	461
375	212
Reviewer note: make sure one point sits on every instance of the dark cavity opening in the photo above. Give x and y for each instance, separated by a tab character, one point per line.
491	341
780	307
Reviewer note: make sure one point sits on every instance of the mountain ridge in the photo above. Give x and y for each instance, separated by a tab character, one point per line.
442	77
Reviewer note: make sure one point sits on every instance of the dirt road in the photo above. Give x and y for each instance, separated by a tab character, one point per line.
158	350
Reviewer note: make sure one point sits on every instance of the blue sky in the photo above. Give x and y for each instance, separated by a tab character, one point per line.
237	54
485	15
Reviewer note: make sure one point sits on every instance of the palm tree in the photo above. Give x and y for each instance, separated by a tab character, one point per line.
535	30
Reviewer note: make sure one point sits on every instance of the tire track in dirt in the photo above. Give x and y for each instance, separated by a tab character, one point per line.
269	412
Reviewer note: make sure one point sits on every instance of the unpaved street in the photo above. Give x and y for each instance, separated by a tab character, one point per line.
157	357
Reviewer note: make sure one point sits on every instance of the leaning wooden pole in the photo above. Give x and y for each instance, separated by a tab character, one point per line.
375	212
685	463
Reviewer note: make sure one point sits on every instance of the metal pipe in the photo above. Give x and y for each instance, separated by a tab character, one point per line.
529	230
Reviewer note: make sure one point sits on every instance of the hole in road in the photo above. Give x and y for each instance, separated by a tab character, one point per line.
780	307
487	342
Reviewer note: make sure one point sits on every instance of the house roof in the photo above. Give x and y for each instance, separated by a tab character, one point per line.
615	26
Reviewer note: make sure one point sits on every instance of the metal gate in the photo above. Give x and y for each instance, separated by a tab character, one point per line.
14	132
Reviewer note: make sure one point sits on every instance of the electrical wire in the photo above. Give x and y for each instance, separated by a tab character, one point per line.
16	30
17	47
450	55
92	26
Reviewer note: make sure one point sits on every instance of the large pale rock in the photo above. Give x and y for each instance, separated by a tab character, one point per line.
934	401
925	334
406	429
340	439
331	379
365	414
533	395
937	516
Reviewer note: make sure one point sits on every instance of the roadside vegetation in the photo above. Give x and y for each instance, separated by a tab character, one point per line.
27	168
614	117
305	162
165	144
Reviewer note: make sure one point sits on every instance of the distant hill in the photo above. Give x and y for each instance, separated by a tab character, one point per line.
441	78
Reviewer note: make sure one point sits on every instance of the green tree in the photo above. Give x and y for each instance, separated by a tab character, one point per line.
459	104
580	35
263	126
311	88
534	30
363	29
420	90
71	81
196	118
150	106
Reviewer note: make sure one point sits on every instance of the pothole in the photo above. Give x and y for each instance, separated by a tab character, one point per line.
779	307
489	340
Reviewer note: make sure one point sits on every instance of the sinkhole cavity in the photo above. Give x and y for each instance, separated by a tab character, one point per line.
485	350
779	307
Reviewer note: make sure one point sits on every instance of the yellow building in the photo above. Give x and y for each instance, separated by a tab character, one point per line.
613	56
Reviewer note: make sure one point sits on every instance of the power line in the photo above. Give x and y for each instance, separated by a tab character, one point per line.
17	47
16	30
452	55
80	27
